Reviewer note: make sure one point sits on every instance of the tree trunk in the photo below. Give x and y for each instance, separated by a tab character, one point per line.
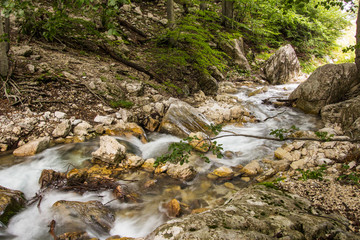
357	46
7	32
170	13
203	5
227	12
4	62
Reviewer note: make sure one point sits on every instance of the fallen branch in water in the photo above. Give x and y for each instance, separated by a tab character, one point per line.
233	134
52	229
179	152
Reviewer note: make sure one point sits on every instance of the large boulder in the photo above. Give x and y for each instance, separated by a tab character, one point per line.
110	150
33	147
282	66
235	50
256	213
326	85
11	202
346	113
208	84
181	119
73	216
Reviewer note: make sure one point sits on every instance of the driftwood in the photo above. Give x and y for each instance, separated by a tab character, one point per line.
52	229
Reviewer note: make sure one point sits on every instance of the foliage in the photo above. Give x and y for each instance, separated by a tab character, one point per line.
352	178
180	152
55	20
310	27
121	103
272	184
189	44
316	174
282	133
216	129
324	136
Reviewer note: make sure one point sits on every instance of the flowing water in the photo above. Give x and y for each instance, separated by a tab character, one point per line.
139	219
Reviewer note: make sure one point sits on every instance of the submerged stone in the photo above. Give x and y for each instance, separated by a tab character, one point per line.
73	216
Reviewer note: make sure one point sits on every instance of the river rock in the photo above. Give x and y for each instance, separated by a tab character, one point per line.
223	171
107	120
251	169
282	66
148	165
281	153
110	150
60	115
82	129
328	84
181	119
256	212
73	216
133	161
281	165
33	147
346	113
75	236
11	202
200	141
173	208
182	172
300	164
63	129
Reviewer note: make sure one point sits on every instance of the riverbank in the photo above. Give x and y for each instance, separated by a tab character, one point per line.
307	156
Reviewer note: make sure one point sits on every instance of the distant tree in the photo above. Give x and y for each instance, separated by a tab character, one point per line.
227	12
170	13
4	62
349	5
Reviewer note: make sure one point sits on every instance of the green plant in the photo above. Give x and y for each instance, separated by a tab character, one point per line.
55	20
310	28
190	43
351	177
315	174
179	152
121	103
324	136
282	133
272	184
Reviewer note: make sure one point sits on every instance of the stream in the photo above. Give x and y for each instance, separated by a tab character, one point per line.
139	219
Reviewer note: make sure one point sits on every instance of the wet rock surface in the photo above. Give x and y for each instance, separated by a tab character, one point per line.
257	212
11	202
75	216
181	119
110	150
33	147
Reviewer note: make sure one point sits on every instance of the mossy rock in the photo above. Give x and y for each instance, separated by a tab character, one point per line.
11	202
